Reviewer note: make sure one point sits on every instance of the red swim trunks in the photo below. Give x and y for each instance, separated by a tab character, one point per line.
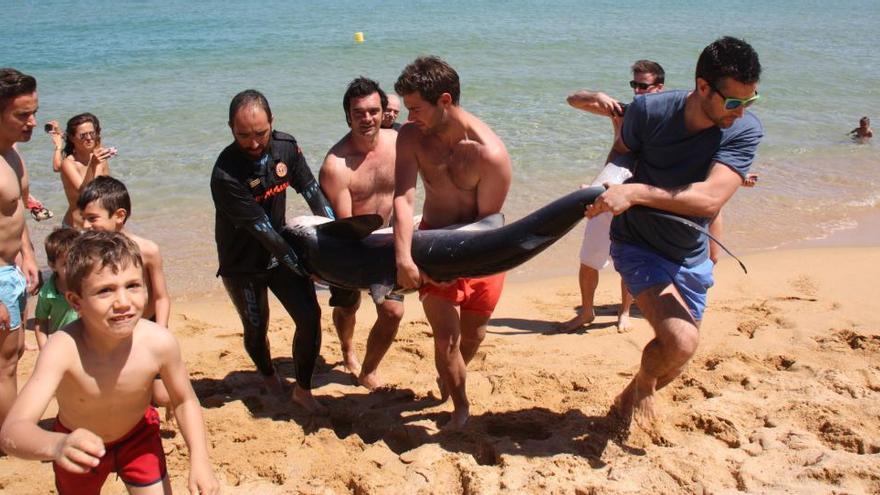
478	295
137	458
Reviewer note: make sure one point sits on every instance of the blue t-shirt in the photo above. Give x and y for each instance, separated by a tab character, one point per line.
667	156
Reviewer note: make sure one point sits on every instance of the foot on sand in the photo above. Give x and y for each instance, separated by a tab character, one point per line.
458	420
582	319
371	381
636	404
273	384
308	402
624	324
351	363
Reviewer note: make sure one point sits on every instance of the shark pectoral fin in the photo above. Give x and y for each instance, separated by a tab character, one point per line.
379	291
353	228
535	241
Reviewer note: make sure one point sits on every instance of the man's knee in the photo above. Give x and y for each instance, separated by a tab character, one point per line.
683	342
390	312
345	312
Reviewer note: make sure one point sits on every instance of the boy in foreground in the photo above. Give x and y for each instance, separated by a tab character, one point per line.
100	370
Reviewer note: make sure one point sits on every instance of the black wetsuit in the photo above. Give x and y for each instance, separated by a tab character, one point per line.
250	200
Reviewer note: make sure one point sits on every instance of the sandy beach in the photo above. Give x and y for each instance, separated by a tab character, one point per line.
781	397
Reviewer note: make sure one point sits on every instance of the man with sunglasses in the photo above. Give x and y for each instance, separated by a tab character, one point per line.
692	150
648	77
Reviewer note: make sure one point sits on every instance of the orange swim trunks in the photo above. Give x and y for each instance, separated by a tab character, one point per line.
478	295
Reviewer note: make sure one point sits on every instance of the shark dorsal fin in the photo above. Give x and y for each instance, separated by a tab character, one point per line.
353	228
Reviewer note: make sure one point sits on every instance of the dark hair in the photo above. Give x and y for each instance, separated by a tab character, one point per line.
729	57
359	88
109	191
59	241
14	84
865	119
94	250
650	67
75	122
431	77
246	98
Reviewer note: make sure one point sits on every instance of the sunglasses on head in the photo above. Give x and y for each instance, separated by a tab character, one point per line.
640	85
734	103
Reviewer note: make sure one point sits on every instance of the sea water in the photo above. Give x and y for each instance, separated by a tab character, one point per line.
160	76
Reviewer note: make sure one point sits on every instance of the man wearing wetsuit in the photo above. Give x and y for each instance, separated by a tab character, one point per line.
248	185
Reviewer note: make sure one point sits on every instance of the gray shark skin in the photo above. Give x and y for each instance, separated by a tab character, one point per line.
351	253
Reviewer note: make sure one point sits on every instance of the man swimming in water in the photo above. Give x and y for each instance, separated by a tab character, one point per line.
249	185
466	172
358	178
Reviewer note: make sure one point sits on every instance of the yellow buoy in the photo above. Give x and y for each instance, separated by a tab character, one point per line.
358	37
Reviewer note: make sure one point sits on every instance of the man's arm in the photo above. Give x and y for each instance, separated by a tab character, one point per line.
495	177
28	257
598	103
188	412
334	178
78	451
700	199
406	172
236	203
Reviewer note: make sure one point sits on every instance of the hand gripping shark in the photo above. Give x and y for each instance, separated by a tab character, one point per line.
351	253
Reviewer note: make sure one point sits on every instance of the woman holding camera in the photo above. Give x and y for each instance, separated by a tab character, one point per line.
80	159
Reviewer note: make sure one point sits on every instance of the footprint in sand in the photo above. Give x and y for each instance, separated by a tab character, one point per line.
805	285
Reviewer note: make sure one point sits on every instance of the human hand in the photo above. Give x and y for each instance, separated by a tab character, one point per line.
4	317
609	105
55	133
202	480
103	154
31	275
408	275
615	199
751	180
79	451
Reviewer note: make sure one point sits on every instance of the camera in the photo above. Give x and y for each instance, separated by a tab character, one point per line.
48	128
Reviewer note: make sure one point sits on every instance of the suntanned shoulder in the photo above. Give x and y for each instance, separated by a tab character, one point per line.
149	249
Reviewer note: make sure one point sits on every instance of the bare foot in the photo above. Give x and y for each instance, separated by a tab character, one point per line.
371	381
623	323
352	365
636	403
583	318
273	384
458	420
308	402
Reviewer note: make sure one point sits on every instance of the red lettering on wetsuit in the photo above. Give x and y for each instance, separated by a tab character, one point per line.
272	191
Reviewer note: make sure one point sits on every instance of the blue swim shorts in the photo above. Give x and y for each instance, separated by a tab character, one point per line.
13	289
641	268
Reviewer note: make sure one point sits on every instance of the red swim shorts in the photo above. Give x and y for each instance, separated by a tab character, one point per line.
137	458
478	295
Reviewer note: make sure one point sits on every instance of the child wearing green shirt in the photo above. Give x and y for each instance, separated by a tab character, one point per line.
52	310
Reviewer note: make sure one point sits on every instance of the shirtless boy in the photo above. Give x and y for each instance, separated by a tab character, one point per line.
104	362
18	109
466	173
105	205
358	179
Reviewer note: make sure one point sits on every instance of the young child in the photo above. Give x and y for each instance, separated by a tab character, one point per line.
99	368
106	205
863	131
52	310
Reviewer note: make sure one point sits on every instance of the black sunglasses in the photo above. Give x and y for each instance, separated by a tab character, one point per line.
640	85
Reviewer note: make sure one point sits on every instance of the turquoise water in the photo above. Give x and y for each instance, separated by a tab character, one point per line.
160	77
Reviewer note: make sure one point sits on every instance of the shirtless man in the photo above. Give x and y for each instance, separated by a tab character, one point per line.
466	173
389	115
358	179
18	109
